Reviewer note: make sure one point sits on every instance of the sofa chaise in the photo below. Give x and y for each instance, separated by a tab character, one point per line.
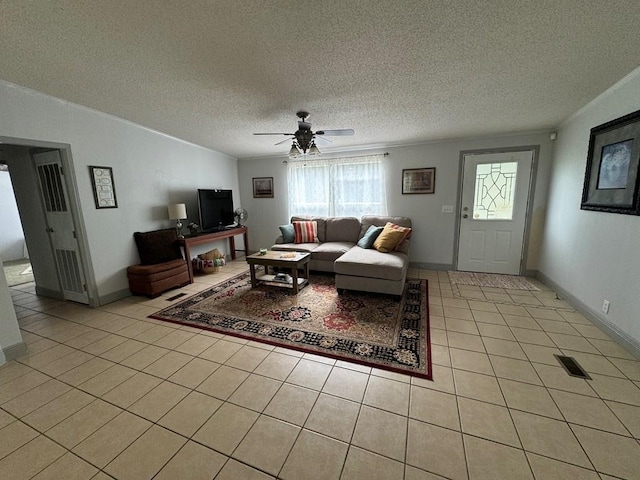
356	268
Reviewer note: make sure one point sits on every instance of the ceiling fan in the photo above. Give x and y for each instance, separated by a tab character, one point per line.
304	138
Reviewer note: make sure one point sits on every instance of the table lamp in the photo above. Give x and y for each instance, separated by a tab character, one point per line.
177	212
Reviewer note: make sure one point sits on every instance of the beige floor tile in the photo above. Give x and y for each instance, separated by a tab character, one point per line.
111	439
35	398
471	361
154	334
12	370
21	384
504	348
436	449
456	312
46	357
631	368
147	455
386	394
363	465
168	364
591	331
478	387
226	428
309	374
173	339
314	456
495	331
529	398
255	392
413	473
35	456
514	369
549	469
190	414
549	437
553	326
438	336
144	357
221	351
629	415
234	470
223	382
194	372
267	445
83	423
346	384
572	342
616	389
517	321
461	326
159	401
104	344
123	350
381	432
196	344
488	421
491	317
84	372
334	417
66	363
587	411
442	380
489	460
194	462
131	390
57	410
14	436
541	354
103	382
465	341
247	358
556	377
479	306
434	407
277	365
535	337
611	349
6	419
292	404
441	356
595	363
610	453
68	467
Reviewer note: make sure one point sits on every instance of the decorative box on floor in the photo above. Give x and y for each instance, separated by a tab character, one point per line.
161	267
209	262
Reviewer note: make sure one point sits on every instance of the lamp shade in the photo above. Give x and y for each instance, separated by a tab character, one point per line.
177	211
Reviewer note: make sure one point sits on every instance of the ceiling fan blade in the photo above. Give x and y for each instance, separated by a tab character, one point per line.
273	133
284	141
342	132
323	139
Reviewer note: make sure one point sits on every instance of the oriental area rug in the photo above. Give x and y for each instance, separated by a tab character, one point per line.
380	331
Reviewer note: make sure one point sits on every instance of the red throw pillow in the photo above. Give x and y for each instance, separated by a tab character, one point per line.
305	232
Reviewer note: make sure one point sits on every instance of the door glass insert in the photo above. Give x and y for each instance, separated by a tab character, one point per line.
495	191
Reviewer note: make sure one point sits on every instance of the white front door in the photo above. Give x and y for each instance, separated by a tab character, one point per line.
60	226
495	197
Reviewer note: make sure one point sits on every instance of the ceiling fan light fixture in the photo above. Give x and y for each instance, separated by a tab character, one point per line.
313	151
294	152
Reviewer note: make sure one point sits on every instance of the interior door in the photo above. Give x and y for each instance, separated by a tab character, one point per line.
60	225
495	198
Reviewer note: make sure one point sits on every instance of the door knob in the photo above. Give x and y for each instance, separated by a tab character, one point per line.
466	209
465	216
49	230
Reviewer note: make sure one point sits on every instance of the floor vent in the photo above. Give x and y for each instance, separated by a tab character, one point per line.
572	367
175	297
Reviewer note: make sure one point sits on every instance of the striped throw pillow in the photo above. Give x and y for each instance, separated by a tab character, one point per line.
305	232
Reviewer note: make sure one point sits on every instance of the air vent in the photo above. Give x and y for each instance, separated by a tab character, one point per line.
572	367
175	297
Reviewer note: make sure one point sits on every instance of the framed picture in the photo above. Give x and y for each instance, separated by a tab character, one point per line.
611	179
263	187
418	180
104	190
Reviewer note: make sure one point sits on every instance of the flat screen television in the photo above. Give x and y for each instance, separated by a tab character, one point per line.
215	209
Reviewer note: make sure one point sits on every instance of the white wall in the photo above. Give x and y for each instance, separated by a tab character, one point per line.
10	337
593	255
11	237
150	171
434	233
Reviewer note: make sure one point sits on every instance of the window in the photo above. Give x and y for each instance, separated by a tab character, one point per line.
495	191
340	187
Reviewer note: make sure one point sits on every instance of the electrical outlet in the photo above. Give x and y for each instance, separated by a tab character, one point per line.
605	306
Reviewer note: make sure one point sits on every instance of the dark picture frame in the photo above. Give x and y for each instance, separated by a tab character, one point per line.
104	190
263	187
418	180
611	181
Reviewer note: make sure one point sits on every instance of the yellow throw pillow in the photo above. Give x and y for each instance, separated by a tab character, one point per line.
391	237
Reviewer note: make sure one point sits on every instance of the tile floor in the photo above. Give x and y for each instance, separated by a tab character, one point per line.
108	393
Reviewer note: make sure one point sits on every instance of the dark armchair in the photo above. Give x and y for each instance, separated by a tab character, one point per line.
161	267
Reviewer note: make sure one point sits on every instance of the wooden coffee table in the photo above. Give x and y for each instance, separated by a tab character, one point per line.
291	261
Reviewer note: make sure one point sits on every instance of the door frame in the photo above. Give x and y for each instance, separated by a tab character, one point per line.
530	198
74	205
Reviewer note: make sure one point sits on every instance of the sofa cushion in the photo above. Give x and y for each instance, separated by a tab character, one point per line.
381	221
321	221
294	247
158	246
329	251
287	232
361	262
391	237
305	232
367	240
342	229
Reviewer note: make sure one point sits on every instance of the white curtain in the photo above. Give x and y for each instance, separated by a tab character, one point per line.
340	187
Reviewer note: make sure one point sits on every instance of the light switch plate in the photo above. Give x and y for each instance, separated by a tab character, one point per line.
447	208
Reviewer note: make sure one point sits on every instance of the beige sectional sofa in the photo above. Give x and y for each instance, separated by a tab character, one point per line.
356	268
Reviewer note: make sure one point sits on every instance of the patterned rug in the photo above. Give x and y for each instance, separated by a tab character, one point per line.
380	331
512	282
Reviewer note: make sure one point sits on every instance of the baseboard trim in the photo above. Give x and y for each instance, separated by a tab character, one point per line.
431	266
618	335
14	351
114	296
47	292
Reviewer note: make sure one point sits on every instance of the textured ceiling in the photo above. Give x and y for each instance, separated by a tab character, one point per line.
214	72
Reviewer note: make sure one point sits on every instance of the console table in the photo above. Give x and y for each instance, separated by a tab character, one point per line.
190	240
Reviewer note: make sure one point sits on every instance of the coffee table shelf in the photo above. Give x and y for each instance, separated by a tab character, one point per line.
292	261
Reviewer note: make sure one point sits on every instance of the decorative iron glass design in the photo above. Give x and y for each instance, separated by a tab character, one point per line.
495	191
